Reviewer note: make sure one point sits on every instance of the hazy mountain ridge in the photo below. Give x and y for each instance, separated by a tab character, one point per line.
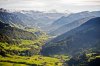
76	40
10	18
70	26
58	24
38	19
29	18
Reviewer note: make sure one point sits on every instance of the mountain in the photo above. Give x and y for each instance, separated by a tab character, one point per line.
86	36
58	24
25	19
11	33
29	18
69	26
23	42
10	18
20	42
38	19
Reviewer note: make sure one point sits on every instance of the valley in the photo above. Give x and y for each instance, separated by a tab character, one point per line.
33	38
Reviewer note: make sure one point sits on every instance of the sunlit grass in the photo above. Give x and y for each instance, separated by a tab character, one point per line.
11	64
91	56
24	60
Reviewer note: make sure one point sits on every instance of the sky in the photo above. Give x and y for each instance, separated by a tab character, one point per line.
52	5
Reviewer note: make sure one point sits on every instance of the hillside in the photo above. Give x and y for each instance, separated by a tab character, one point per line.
69	26
22	47
35	38
75	41
20	42
71	18
37	19
30	18
10	18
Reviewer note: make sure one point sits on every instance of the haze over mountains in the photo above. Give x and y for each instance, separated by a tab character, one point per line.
64	24
78	39
30	18
36	38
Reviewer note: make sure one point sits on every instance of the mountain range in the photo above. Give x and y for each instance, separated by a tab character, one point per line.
65	24
29	18
34	38
86	36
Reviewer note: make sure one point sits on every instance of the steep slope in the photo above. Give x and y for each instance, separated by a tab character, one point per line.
10	18
22	47
30	18
28	21
20	42
71	18
68	19
14	33
70	26
77	40
37	19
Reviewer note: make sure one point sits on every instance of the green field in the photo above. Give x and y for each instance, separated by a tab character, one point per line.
36	60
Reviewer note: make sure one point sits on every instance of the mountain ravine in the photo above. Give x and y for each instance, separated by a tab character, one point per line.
37	38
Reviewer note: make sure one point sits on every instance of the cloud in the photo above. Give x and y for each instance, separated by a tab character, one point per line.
60	5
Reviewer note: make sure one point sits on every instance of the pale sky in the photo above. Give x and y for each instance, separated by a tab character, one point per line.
52	5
